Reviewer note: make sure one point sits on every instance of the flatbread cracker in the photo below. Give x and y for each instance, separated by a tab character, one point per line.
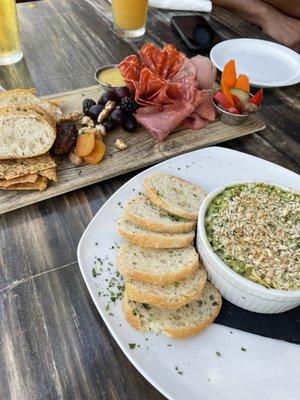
20	180
50	174
39	184
10	169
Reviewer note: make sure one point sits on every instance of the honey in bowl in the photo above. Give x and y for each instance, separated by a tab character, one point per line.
111	77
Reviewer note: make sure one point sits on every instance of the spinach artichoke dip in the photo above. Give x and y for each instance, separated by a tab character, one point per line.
255	229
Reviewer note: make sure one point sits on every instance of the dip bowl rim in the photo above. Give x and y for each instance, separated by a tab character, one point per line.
102	83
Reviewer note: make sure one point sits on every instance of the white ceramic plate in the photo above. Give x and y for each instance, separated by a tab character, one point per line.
267	64
266	370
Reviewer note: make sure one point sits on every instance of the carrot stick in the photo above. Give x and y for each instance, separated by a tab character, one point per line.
243	83
229	75
225	90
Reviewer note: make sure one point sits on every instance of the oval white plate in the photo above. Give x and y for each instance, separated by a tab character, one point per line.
267	64
205	375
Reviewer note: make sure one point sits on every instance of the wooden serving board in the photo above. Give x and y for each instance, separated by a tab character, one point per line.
142	151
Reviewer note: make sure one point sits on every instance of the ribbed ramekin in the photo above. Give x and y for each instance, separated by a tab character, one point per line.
232	286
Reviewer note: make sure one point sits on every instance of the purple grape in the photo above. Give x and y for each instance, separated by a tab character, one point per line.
95	111
110	95
130	124
118	116
109	125
122	92
87	104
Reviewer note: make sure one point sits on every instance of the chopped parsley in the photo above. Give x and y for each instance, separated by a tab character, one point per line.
218	354
132	345
243	349
178	371
174	217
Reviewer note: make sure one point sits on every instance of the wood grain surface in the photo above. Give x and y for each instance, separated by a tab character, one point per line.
142	151
53	343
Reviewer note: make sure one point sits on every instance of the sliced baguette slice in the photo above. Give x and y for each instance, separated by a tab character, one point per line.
24	135
172	296
180	323
157	240
143	213
175	195
157	266
28	96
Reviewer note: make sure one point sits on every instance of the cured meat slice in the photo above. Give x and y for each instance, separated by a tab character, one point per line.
165	63
205	71
149	86
130	69
194	121
161	123
206	110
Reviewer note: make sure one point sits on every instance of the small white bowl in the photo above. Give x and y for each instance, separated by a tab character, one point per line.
232	286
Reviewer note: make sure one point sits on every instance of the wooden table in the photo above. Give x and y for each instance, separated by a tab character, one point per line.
53	342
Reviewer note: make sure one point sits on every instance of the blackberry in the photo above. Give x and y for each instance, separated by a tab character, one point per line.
128	105
86	105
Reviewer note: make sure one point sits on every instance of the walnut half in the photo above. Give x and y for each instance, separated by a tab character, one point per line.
120	144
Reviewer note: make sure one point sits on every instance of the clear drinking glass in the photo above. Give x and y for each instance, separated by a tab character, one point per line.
10	46
130	17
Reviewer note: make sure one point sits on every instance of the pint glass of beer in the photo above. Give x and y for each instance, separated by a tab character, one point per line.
130	17
10	47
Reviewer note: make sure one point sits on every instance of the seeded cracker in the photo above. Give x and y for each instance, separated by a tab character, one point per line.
10	169
39	184
20	180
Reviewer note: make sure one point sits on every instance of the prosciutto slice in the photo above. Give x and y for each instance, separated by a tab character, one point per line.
172	89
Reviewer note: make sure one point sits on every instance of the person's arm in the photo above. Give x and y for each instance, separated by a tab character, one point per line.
289	7
253	11
273	22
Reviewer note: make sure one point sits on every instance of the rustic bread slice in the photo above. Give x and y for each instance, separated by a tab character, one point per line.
158	240
172	296
24	134
157	266
180	323
143	213
29	109
28	96
173	194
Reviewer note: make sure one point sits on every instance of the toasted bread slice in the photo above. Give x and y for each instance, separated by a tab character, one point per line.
157	266
28	96
174	295
24	134
180	323
143	213
158	240
175	195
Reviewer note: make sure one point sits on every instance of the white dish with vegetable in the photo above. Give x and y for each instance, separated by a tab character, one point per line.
220	362
267	64
248	235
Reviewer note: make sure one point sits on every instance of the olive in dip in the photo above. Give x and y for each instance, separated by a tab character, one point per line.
255	229
111	77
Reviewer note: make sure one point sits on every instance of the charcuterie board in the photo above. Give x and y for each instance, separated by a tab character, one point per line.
142	151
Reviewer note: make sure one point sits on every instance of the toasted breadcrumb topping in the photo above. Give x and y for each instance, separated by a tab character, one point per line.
255	229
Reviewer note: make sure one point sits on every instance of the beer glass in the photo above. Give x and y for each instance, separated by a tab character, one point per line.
10	47
130	17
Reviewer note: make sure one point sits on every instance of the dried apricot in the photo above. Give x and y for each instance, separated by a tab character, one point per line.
97	154
85	144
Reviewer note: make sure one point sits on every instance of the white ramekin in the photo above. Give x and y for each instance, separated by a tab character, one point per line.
232	286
